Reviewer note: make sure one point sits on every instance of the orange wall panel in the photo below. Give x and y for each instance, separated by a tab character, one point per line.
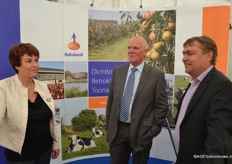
216	20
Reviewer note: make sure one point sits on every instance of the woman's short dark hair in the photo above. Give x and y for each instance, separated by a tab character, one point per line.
207	45
19	50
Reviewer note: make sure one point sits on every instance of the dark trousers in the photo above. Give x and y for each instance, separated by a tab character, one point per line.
120	148
44	158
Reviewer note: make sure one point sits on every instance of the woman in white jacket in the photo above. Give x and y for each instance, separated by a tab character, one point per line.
27	123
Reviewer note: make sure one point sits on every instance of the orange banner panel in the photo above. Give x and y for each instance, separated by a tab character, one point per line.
97	102
216	20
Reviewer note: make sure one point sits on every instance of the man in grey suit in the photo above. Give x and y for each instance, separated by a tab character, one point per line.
203	133
146	111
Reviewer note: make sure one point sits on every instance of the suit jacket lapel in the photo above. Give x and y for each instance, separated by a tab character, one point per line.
143	79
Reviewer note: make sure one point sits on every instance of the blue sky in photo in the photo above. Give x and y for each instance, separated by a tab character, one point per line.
109	15
76	66
51	64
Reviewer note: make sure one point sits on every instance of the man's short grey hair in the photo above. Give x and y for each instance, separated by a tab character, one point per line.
143	41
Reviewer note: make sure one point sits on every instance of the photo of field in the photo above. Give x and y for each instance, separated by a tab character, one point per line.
181	83
76	79
110	31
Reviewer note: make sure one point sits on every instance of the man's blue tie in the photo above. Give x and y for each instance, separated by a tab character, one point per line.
127	96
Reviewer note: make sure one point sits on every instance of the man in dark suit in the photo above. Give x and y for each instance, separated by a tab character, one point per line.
147	110
204	123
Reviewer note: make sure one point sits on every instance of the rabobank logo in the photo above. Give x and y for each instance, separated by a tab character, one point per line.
73	46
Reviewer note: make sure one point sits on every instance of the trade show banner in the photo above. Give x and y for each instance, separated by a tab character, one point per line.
80	46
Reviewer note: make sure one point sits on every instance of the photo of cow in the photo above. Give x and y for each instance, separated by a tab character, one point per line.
77	143
82	130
